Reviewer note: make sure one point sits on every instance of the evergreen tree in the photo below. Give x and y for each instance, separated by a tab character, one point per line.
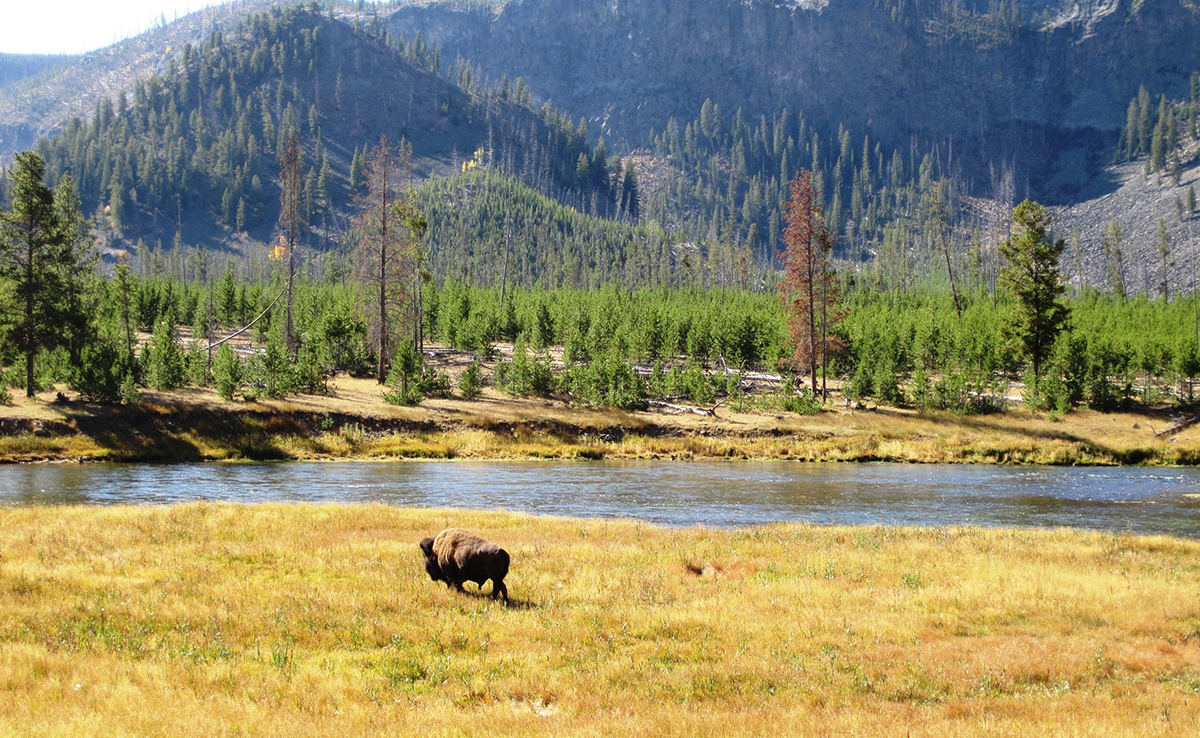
470	383
404	377
630	199
227	372
379	248
1032	276
1114	258
40	251
166	368
272	369
290	163
1164	253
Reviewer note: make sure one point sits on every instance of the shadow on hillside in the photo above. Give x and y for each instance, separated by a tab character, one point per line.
130	435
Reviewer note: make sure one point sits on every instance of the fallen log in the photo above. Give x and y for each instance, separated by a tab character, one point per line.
1177	425
685	408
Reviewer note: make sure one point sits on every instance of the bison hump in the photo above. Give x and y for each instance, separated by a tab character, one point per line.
452	539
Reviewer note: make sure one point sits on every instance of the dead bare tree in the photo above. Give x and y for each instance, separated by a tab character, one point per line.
392	229
289	217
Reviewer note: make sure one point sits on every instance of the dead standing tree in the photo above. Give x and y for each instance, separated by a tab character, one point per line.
809	288
380	245
391	230
289	218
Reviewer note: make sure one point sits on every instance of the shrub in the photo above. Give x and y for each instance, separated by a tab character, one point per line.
800	400
434	383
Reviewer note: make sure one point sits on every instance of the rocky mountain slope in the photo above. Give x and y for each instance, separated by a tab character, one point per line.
1136	202
1041	84
946	97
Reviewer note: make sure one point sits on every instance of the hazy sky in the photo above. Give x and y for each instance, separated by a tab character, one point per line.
72	26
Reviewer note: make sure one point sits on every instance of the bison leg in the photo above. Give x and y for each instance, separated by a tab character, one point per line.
498	589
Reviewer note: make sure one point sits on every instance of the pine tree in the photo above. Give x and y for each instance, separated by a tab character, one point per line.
1032	276
357	171
470	383
630	200
1164	253
39	258
1114	259
166	366
289	219
227	372
392	250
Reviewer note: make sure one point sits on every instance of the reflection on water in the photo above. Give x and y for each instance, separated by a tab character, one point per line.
722	494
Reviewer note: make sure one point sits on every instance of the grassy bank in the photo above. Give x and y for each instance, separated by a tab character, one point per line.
215	620
195	424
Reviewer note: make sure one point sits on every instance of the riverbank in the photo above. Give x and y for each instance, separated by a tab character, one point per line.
354	423
297	620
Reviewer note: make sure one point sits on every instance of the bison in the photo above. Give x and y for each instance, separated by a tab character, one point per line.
456	556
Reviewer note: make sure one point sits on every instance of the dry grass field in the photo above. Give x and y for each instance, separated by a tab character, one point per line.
303	620
354	422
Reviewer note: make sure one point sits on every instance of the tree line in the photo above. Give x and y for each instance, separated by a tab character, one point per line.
111	334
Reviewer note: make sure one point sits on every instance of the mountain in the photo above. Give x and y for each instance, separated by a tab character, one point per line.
189	152
35	105
696	117
1042	84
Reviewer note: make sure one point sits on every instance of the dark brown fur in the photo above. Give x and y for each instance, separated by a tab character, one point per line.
456	556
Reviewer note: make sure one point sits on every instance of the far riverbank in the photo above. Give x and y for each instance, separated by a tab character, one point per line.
354	423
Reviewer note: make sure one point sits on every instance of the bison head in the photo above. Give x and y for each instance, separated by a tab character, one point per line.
431	563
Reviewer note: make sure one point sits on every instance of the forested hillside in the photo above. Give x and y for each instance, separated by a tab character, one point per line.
190	155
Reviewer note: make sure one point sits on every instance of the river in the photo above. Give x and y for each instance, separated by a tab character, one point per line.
718	494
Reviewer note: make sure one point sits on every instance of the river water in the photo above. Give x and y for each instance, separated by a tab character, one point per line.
718	494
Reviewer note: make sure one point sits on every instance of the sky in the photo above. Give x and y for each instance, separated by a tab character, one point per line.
75	26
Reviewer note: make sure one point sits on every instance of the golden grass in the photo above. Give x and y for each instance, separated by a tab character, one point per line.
297	620
195	424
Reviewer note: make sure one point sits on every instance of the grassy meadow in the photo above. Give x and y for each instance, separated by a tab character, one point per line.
298	620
